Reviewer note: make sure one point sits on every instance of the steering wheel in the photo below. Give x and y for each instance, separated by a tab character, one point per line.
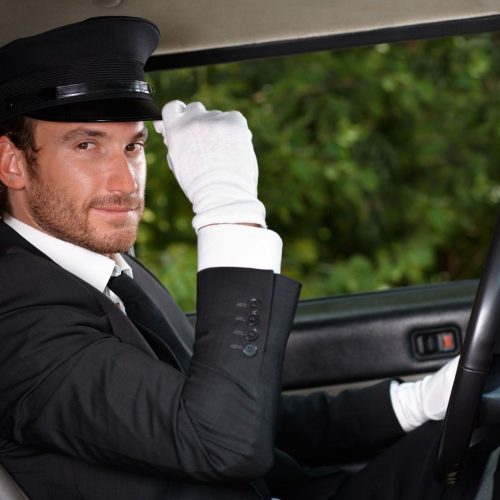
473	368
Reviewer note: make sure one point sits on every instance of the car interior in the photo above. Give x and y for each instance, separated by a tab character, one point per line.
341	341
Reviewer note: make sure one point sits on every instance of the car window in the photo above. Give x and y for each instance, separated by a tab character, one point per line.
379	166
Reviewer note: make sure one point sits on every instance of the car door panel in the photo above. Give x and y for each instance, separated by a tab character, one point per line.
367	337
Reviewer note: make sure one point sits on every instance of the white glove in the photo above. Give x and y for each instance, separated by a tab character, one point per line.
213	160
416	402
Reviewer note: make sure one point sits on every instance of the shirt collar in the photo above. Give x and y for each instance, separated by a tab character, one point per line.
92	267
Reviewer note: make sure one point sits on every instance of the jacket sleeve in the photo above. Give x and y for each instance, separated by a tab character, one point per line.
68	384
353	425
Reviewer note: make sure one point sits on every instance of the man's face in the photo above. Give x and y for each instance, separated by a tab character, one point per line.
87	186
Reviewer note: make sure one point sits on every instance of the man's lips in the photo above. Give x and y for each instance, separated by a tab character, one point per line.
117	212
117	208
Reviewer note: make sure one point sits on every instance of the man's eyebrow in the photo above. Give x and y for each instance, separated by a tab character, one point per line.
82	133
142	134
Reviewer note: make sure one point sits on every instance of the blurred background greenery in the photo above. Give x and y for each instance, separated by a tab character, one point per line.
379	166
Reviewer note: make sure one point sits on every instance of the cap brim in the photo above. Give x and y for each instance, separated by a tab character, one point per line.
108	110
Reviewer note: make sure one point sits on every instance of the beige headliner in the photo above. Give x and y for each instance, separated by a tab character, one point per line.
189	25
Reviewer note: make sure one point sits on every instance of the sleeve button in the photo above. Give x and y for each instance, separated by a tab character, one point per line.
254	304
253	319
250	350
251	334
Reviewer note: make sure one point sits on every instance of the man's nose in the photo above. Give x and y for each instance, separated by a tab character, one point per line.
122	176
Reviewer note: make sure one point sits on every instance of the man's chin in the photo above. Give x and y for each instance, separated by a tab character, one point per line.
113	241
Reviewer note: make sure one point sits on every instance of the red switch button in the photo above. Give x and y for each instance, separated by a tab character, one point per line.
446	341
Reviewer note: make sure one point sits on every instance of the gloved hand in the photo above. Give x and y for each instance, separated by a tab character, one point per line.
416	402
213	160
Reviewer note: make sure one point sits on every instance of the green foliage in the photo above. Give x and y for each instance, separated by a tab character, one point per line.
378	165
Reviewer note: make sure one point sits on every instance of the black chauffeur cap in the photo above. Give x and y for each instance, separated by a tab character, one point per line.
89	71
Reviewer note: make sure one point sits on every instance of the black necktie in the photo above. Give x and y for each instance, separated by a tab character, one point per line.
149	320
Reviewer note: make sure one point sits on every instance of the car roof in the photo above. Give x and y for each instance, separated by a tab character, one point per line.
212	30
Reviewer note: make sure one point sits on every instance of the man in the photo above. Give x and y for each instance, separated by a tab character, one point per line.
104	390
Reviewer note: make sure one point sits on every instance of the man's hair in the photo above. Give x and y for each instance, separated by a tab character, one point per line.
21	131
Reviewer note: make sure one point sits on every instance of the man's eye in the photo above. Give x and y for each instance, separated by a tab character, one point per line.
135	147
85	145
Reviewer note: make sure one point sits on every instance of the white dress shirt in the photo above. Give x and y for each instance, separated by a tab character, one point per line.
236	245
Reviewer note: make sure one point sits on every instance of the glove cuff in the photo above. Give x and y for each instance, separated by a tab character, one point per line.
250	212
407	404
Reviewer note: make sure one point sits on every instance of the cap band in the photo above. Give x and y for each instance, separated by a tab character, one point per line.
78	90
95	89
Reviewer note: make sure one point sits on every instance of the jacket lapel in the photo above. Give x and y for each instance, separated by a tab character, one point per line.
121	326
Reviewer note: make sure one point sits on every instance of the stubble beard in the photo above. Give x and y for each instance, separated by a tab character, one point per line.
58	215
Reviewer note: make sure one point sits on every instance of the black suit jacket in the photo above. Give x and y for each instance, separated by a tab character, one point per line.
88	411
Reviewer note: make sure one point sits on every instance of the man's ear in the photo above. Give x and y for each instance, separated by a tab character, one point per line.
12	165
